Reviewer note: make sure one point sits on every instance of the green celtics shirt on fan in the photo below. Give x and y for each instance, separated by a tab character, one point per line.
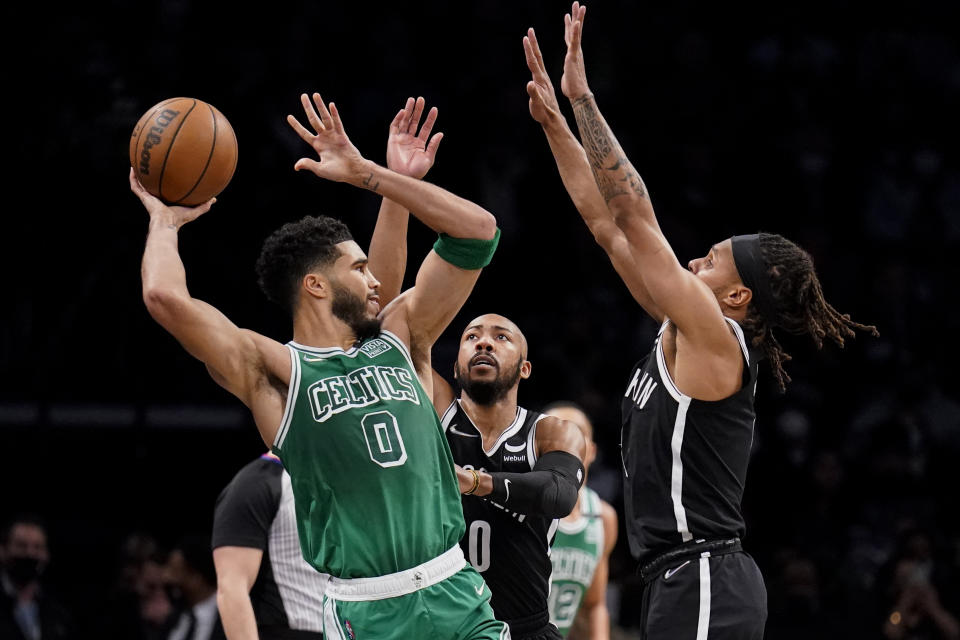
576	551
379	436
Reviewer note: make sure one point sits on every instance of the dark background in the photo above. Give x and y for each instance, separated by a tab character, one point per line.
831	123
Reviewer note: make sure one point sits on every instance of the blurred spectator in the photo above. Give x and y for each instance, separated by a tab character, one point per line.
27	610
192	581
913	591
138	608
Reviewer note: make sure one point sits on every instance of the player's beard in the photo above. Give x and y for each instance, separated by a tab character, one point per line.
352	309
488	392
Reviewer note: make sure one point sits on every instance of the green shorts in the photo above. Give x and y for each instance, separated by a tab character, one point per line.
451	603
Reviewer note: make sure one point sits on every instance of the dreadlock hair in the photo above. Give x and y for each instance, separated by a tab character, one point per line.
800	305
292	251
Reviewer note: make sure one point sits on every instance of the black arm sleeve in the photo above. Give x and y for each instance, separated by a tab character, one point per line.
247	506
549	490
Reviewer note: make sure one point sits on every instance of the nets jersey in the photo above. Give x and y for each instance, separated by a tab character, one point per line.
510	549
577	550
685	460
372	476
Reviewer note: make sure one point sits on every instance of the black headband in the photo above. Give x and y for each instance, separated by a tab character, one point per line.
753	273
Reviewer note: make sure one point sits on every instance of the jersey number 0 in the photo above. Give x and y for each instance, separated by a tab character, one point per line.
384	442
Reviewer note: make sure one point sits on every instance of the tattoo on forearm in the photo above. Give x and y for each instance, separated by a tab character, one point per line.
611	168
372	187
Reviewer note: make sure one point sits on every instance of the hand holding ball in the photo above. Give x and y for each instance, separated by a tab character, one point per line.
183	151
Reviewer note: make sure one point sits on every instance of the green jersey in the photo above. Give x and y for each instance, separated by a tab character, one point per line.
373	478
576	551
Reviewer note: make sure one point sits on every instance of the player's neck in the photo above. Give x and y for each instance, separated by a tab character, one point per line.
316	326
491	420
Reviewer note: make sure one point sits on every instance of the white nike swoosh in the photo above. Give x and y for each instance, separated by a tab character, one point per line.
506	483
670	572
461	433
309	359
480	590
516	448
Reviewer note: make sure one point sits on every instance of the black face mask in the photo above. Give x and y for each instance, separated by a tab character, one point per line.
23	569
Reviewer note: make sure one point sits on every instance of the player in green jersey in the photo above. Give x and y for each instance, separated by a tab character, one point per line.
346	404
581	551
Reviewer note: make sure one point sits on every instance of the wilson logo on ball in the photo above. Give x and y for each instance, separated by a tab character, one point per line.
153	137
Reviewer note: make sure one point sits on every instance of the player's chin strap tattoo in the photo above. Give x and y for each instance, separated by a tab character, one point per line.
549	490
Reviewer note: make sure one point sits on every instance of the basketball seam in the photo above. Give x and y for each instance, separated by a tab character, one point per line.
152	116
213	147
170	148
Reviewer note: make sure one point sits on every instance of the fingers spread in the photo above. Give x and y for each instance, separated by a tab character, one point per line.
415	120
397	120
536	49
434	143
325	117
428	125
300	129
311	113
335	119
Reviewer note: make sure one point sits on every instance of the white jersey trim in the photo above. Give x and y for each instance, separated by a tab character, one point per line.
505	435
676	471
292	390
740	338
532	442
398	343
447	416
703	620
324	352
671	387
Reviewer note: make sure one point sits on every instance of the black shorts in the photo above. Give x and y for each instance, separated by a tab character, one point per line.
716	598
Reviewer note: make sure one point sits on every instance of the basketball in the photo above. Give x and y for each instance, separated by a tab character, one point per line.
183	151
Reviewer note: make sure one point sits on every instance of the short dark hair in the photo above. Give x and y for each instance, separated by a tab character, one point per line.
292	251
799	303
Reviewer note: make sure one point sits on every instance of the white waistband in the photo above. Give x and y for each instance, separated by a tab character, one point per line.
400	583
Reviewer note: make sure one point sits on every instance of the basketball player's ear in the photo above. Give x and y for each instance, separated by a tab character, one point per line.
739	296
525	369
316	285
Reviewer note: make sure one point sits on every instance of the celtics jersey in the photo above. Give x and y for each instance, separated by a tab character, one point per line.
577	549
372	476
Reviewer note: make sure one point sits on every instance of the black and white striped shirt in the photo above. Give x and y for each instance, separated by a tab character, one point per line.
256	510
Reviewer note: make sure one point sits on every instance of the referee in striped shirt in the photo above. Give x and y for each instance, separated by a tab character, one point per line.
265	589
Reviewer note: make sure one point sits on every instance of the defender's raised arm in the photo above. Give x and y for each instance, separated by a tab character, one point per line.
468	233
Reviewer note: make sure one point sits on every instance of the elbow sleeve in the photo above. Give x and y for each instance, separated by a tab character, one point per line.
549	490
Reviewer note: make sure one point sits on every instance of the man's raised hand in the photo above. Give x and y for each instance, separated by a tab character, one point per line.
574	80
408	152
339	159
543	98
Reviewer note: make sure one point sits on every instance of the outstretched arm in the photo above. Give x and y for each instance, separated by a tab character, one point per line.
578	179
411	154
675	291
245	363
423	312
550	489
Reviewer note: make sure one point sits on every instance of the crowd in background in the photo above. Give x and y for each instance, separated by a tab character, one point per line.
834	127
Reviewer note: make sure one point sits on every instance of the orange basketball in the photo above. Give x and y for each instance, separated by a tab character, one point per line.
183	151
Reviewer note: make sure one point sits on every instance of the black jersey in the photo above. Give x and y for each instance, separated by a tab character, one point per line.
256	510
511	550
685	460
